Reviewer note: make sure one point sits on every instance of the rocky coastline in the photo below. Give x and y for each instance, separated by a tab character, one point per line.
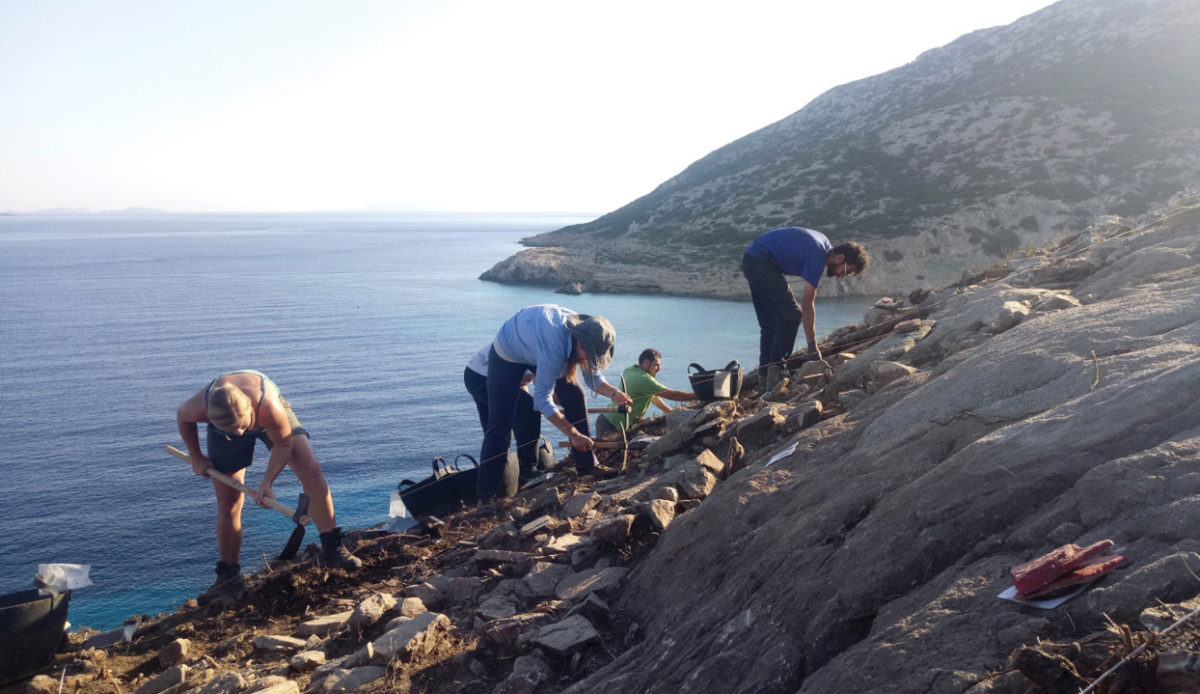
576	265
848	530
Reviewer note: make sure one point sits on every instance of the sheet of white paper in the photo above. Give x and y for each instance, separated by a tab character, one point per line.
1011	594
782	454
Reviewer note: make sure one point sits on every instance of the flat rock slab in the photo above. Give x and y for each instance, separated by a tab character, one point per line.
371	610
464	588
528	675
174	653
694	481
614	531
352	680
579	504
285	687
501	556
537	525
667	444
409	636
543	578
507	633
578	585
567	636
565	543
307	660
411	607
273	643
429	594
224	683
166	679
641	441
497	607
660	512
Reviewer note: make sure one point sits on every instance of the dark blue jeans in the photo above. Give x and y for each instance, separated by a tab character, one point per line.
527	422
503	395
775	307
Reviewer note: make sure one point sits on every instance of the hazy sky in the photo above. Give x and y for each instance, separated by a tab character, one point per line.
489	105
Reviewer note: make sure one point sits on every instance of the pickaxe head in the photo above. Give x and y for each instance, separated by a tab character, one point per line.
301	518
301	514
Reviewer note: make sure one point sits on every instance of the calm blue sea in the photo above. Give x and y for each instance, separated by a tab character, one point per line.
365	321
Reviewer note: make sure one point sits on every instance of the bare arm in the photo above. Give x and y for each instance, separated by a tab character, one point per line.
578	440
808	304
273	418
187	416
677	395
658	402
618	396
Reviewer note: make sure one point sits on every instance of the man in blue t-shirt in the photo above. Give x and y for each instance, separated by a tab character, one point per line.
791	251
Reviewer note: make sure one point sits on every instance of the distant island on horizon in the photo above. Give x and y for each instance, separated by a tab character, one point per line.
66	211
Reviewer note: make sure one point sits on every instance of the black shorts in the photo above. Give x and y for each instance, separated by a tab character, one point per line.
230	453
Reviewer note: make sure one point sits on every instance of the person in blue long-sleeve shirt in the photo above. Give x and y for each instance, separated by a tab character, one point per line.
800	252
557	345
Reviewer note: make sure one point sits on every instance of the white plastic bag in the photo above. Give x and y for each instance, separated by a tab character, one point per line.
65	576
397	514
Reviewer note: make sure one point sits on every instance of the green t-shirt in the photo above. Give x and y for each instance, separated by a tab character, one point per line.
641	387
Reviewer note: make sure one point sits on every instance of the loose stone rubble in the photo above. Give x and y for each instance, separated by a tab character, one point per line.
538	597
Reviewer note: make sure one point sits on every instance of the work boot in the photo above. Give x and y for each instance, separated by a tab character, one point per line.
228	584
600	472
333	554
487	506
774	376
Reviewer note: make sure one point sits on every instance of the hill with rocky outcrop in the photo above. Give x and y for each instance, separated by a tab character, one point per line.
996	142
848	531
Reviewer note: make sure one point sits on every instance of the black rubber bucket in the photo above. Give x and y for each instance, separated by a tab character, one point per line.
433	495
465	479
31	628
719	384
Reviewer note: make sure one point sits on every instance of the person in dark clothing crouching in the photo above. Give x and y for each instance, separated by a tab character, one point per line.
799	252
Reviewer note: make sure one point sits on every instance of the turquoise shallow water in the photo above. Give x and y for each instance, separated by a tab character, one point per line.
107	323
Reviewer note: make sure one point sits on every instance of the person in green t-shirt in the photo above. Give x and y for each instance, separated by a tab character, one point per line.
641	385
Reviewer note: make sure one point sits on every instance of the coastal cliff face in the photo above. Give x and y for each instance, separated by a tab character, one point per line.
1059	403
870	559
1001	140
849	531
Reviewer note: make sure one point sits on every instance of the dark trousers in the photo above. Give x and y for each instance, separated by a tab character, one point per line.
503	395
527	422
775	306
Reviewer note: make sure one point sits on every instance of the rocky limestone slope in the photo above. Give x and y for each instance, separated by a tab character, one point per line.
870	559
1000	140
1048	400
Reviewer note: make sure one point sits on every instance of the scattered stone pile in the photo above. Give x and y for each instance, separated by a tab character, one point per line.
1047	400
518	603
512	605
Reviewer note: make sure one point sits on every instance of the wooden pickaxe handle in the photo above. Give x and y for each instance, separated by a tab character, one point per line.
614	445
222	477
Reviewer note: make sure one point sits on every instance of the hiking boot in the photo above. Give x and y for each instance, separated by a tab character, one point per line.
762	386
487	506
775	374
600	472
334	555
229	584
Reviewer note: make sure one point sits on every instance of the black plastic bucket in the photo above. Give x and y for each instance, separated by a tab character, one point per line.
433	495
718	384
31	628
464	480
